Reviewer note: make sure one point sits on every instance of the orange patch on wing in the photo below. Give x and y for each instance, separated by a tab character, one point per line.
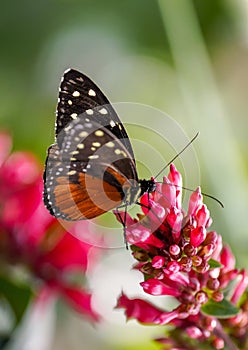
88	199
118	176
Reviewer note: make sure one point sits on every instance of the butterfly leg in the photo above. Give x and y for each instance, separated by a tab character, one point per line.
123	222
143	205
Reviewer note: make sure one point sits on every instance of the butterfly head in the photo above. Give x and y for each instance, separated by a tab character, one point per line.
147	186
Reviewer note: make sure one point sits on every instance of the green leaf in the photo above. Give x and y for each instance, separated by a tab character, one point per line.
214	264
222	309
16	294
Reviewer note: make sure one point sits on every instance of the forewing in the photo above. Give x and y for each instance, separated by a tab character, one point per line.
78	94
95	148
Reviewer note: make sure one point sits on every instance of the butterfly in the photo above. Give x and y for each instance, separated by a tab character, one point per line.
90	169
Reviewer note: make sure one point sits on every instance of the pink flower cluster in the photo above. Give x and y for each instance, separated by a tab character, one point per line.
31	238
180	257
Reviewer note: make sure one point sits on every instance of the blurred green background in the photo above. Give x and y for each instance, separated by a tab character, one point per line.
187	58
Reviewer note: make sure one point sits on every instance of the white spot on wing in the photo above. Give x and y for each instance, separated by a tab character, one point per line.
89	111
72	172
99	133
67	128
76	94
74	115
118	151
83	134
91	92
80	79
96	144
94	156
103	111
110	144
112	123
88	125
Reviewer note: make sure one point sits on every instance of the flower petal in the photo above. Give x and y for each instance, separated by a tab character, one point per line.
81	301
195	202
197	236
139	309
154	286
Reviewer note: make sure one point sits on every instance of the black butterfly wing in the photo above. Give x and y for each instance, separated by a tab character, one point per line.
89	173
78	94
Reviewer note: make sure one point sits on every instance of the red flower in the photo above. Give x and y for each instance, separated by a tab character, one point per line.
32	238
180	257
138	309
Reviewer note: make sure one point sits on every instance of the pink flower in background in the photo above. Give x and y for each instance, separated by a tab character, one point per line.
30	237
180	257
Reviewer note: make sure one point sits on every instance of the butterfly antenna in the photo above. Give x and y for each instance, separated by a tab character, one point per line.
206	195
177	155
189	189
